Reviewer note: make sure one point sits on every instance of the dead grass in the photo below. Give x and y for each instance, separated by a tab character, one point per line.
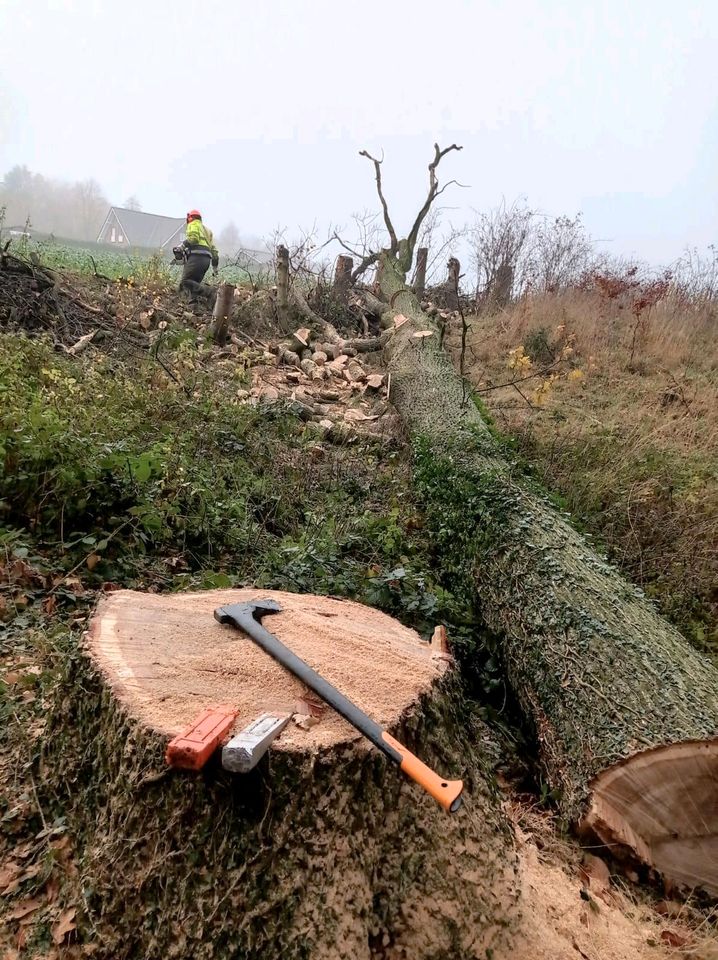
630	445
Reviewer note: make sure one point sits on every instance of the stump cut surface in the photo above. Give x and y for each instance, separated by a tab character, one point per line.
663	804
166	658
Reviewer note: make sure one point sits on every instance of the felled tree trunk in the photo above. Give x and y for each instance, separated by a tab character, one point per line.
324	850
625	711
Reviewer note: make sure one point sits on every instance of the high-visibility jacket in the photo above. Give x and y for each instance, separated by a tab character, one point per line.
199	239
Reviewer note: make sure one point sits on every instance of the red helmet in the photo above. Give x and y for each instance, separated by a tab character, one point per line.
194	215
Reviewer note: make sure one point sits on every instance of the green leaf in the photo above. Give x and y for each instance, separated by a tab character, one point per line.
143	470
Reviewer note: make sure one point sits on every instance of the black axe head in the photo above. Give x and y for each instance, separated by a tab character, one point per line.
236	613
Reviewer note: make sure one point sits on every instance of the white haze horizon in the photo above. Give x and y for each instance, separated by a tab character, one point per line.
257	115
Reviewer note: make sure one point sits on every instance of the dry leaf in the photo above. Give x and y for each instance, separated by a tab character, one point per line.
49	605
24	908
66	924
92	561
52	889
8	875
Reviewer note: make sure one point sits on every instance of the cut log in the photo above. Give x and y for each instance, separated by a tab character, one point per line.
374	382
324	850
663	803
625	711
300	339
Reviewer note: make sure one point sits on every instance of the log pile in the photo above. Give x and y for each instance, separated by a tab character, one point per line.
329	385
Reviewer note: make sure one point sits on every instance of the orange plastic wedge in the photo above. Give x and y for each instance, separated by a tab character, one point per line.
192	748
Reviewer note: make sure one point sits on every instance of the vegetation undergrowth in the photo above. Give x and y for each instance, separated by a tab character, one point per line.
626	441
121	474
117	473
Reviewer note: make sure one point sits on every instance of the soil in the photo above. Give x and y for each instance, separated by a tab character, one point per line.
167	659
558	924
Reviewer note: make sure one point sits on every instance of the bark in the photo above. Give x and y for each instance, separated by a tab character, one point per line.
325	854
373	304
422	256
608	684
222	312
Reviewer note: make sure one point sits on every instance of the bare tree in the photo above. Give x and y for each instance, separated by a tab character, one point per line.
500	243
72	210
560	253
132	203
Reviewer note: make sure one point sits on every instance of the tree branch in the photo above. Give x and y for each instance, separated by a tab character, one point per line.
367	262
433	193
385	208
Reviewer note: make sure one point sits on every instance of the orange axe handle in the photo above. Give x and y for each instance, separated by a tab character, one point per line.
445	792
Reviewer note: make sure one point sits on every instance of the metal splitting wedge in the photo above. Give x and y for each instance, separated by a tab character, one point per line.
246	617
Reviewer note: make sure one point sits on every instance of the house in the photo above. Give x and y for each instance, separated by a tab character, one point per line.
133	228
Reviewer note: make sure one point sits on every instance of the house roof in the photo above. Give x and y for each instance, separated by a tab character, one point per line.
147	229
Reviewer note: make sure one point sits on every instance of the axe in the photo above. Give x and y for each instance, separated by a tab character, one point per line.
247	616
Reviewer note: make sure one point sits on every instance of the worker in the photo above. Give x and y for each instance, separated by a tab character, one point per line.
197	251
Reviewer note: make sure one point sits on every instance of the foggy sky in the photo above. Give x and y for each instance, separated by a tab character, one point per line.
256	112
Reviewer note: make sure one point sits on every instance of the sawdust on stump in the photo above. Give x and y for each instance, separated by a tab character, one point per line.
166	658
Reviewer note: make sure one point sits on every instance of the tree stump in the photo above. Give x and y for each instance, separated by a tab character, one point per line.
222	312
324	850
422	257
343	275
282	269
452	283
